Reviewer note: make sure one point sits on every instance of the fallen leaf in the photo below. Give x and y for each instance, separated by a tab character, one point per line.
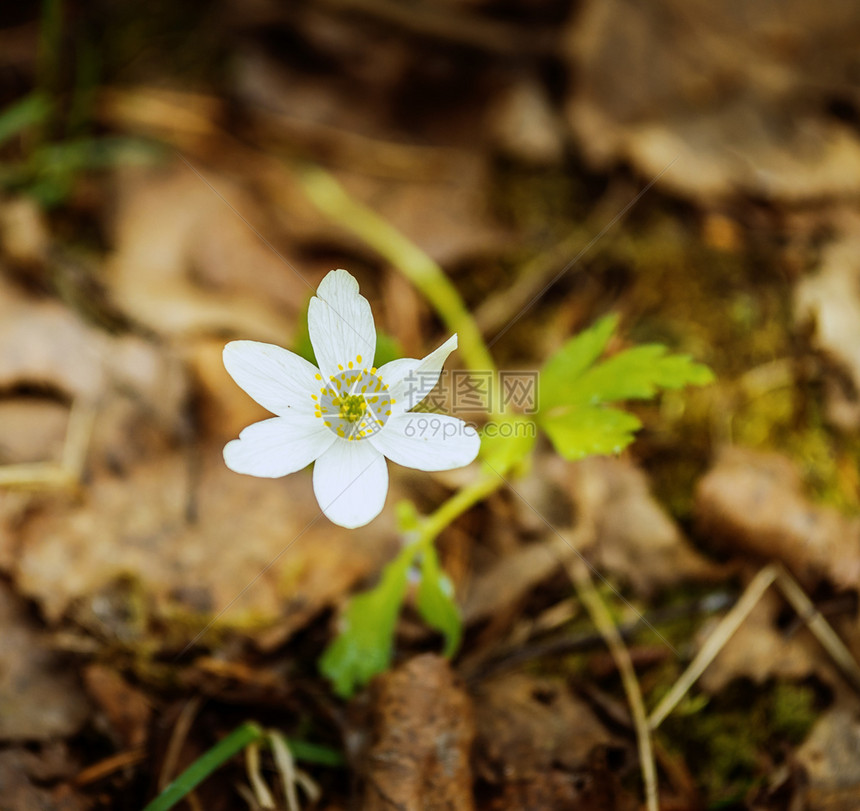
257	550
830	299
760	650
829	758
22	787
32	429
524	124
24	239
634	538
39	696
754	503
139	390
44	344
127	711
501	588
209	270
423	730
542	747
716	99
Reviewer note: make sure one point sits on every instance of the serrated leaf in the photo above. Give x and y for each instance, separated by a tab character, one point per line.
590	431
638	374
575	389
363	647
435	602
572	360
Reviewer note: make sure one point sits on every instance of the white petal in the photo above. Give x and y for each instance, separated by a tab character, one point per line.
340	324
427	441
351	482
278	446
276	378
410	381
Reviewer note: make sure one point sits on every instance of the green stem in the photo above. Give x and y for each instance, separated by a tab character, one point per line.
455	506
333	201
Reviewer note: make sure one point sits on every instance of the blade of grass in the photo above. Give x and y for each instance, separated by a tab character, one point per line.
315	753
207	763
33	109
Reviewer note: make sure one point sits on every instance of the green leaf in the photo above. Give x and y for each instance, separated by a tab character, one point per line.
575	389
572	360
207	763
639	373
363	647
436	604
591	430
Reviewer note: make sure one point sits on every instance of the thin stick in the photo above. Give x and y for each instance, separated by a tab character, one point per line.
819	626
603	621
714	644
36	476
56	475
177	740
106	767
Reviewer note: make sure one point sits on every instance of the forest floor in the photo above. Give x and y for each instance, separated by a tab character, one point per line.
693	169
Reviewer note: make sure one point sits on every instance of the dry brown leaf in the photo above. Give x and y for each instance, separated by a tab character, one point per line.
543	747
127	711
435	195
44	344
760	650
754	503
634	537
187	259
446	217
39	696
194	545
830	298
630	536
423	731
139	390
829	758
225	409
500	589
732	95
22	786
32	429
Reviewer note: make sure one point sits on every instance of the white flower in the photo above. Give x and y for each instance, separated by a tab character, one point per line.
346	416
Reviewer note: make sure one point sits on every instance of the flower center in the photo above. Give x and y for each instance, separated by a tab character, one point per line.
353	403
352	407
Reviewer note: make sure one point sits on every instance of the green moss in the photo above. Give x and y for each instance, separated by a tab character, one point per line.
730	741
793	710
